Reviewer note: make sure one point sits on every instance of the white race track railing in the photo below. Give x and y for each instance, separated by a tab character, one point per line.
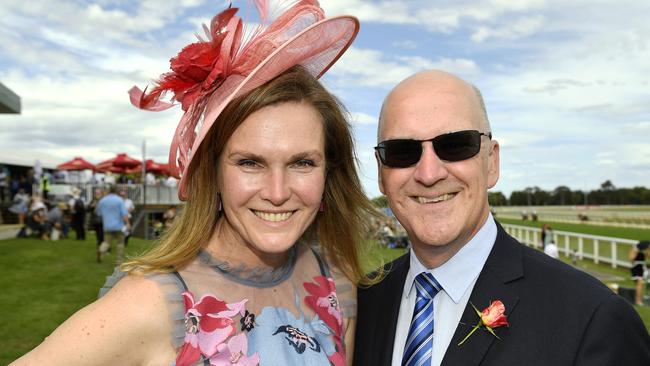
597	248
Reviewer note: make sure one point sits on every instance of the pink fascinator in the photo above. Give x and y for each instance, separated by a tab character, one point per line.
206	75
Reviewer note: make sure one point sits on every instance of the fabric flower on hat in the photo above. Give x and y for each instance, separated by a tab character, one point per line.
196	67
208	324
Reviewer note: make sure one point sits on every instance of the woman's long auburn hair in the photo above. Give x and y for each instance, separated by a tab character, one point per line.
339	229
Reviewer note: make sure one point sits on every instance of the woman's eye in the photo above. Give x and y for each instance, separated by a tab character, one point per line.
305	163
247	163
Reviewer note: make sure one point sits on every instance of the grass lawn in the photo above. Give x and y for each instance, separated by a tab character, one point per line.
45	282
612	231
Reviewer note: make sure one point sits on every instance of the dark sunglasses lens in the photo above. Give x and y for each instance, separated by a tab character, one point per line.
457	146
400	153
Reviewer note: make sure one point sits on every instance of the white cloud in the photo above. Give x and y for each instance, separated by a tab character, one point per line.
518	28
367	67
363	118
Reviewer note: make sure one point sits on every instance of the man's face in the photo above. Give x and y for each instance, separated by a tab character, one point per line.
439	203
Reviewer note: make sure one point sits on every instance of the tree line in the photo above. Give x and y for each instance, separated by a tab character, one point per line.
607	194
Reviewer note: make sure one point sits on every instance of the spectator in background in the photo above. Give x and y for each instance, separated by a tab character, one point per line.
45	186
78	212
14	185
96	220
551	250
56	221
171	181
109	178
114	216
130	207
638	271
169	216
4	183
548	236
150	179
26	183
37	220
20	207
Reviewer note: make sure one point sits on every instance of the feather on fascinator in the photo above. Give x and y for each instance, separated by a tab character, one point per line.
206	75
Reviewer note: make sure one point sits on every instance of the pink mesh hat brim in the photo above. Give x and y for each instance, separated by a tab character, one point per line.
316	48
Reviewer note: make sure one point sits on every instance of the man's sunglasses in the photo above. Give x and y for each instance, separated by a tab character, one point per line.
454	146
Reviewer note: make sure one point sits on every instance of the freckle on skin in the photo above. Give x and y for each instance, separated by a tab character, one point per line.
88	333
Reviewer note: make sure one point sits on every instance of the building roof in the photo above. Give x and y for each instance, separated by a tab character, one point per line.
28	159
9	101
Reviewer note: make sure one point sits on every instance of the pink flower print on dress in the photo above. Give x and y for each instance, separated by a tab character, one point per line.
208	323
325	303
235	353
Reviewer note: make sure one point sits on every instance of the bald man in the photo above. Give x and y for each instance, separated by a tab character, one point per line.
437	158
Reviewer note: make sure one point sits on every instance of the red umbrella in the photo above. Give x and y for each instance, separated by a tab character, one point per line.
122	161
135	169
156	168
78	163
103	168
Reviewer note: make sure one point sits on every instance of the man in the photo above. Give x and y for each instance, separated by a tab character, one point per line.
461	258
96	220
78	211
115	217
130	207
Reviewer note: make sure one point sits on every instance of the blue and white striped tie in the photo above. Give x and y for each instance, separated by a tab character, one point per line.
417	351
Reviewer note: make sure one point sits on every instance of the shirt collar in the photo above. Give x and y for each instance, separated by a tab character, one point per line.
458	273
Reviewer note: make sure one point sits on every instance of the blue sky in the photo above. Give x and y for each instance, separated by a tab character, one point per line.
566	83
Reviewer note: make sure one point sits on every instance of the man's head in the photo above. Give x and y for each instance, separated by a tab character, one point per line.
441	203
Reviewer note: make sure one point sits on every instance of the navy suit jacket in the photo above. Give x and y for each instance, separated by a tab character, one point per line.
558	315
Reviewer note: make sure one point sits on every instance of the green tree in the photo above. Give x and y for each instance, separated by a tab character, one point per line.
497	199
380	201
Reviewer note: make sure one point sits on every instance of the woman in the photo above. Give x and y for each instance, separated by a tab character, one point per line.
237	279
637	256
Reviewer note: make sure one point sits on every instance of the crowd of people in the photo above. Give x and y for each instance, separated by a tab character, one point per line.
56	217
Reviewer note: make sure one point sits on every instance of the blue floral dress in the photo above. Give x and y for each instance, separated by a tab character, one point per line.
227	315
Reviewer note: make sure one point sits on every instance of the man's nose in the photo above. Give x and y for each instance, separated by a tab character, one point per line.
429	169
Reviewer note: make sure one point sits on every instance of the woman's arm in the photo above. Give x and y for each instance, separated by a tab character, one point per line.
128	326
632	254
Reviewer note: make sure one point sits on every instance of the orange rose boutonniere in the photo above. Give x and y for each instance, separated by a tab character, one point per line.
491	317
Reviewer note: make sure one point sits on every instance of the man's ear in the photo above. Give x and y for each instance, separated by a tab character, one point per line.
493	164
381	182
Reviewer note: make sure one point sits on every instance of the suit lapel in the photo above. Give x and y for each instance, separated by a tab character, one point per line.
504	264
388	311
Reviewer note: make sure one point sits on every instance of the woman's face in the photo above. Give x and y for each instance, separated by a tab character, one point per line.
272	177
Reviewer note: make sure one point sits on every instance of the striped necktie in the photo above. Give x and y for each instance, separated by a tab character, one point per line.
417	351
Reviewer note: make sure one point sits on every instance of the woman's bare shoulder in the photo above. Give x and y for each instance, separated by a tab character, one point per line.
130	325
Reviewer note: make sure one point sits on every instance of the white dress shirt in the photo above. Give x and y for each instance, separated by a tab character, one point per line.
457	277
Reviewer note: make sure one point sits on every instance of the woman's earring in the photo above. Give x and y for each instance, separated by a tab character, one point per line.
322	206
220	206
